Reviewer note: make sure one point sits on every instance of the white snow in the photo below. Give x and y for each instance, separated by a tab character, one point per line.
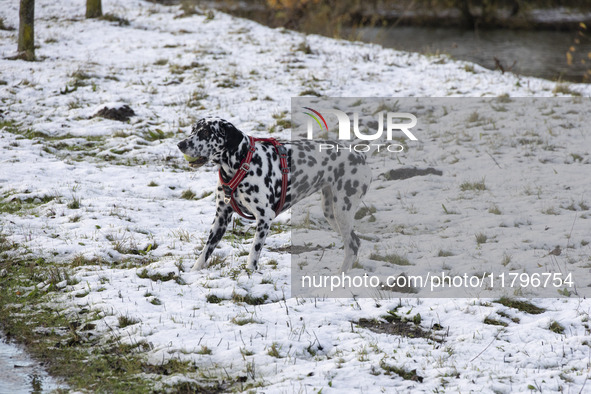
128	179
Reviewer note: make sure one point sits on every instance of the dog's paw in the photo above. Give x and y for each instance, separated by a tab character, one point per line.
198	266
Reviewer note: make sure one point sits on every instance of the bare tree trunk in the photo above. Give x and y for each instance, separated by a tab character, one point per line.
94	9
468	19
26	30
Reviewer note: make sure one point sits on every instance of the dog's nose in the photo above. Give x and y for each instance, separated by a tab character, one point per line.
182	146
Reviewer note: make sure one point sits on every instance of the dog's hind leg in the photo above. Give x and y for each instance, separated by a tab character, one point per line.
328	208
345	203
223	215
351	241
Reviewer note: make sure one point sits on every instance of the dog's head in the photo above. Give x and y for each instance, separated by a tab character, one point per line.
210	139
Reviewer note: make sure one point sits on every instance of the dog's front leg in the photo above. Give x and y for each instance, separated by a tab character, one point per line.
218	229
263	226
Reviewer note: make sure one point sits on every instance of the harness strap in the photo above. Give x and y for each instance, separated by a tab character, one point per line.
230	186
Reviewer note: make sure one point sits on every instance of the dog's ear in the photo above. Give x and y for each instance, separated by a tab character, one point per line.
233	138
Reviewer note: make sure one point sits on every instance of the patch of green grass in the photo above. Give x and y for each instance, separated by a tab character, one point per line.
494	209
5	246
110	17
504	98
473	186
245	352
3	26
278	228
125	321
249	299
22	205
213	299
551	211
79	78
474	117
188	194
494	322
576	157
179	69
238	231
228	83
403	373
195	98
564	88
364	211
161	277
275	350
244	320
523	306
127	246
391	258
304	47
507	316
444	253
66	349
217	260
573	206
153	184
481	238
75	203
157	135
74	104
204	350
205	194
310	92
79	260
556	327
282	124
506	260
56	275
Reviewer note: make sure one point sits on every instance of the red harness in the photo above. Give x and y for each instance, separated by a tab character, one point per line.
230	186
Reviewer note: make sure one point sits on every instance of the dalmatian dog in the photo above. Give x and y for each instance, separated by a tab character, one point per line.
343	178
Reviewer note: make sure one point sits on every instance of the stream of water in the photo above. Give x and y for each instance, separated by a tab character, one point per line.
19	374
532	53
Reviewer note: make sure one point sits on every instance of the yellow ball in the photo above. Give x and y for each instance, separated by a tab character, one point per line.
189	158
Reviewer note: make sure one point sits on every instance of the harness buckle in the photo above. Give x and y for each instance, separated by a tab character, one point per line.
281	151
245	167
285	170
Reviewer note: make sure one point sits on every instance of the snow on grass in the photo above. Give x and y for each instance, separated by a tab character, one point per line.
108	202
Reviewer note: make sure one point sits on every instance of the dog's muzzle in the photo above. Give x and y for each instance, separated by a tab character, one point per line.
196	162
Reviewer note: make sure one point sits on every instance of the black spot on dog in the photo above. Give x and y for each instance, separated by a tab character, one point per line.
349	190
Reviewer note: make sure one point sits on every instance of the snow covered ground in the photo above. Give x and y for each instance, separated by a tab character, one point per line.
115	201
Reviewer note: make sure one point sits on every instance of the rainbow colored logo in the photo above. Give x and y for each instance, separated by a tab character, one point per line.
315	118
